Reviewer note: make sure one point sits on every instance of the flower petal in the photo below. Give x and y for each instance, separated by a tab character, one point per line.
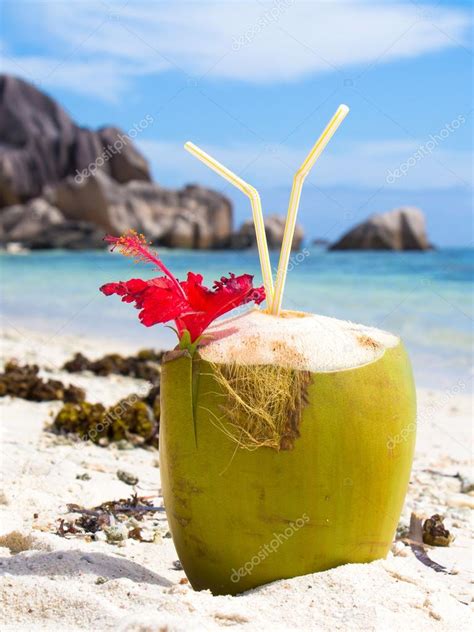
228	293
158	299
130	291
189	303
207	305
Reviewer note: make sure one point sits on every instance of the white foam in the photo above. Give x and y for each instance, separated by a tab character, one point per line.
307	342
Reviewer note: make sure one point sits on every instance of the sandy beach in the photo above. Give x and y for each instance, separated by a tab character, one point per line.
281	193
50	582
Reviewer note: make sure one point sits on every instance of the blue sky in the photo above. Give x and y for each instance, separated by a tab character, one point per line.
255	82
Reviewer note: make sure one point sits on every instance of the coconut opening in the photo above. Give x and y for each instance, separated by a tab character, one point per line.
294	340
263	365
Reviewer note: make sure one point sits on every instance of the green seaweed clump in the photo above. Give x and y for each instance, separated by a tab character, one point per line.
131	420
79	419
24	382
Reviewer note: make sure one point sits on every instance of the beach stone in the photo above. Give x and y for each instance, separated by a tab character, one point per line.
83	477
116	533
245	237
127	477
399	229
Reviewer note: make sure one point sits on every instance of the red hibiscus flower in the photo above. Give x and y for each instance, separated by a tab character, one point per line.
190	304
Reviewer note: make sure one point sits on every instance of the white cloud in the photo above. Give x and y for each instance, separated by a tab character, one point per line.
103	79
357	164
276	41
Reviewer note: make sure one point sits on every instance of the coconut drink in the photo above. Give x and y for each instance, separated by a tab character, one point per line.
277	430
276	448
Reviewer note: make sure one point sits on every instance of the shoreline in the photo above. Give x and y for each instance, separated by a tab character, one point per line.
161	339
50	582
424	300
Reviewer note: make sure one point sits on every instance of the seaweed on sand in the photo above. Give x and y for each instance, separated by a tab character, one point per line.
24	381
416	540
125	516
435	533
144	365
131	419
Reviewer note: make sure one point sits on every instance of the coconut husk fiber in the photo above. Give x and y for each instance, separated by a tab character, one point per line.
261	405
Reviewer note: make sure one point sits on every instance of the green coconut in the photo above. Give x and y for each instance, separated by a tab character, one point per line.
257	491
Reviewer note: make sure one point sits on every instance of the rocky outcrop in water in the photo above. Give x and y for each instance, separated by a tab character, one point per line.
192	217
274	228
40	144
400	229
64	186
37	224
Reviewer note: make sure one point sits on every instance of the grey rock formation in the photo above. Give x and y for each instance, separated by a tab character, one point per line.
62	185
125	162
37	224
192	217
320	241
400	229
20	221
40	144
274	229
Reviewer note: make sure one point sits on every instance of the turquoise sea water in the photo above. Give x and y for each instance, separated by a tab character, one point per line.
424	297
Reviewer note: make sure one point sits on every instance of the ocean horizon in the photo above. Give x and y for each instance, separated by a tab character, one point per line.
422	296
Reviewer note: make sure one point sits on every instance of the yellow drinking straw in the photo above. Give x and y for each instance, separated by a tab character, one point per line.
256	204
295	195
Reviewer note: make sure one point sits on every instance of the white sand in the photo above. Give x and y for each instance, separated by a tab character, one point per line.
307	342
50	583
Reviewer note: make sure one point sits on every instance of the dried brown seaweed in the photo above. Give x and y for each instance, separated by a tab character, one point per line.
24	381
435	533
120	516
144	365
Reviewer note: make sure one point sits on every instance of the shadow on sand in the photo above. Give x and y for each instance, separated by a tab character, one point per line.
73	563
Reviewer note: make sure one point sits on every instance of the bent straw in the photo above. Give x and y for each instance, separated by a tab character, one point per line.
256	204
295	195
